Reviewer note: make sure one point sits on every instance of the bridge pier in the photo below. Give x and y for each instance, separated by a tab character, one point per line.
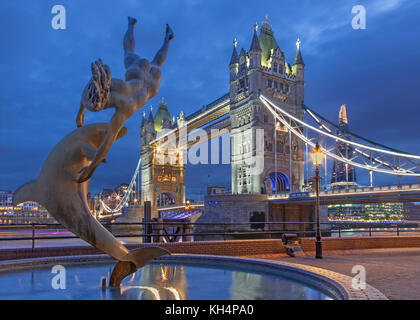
188	228
303	214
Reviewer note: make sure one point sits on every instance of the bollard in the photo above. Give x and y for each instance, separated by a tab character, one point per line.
146	222
158	230
188	228
103	283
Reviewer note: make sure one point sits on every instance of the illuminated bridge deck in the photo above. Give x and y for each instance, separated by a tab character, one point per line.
402	193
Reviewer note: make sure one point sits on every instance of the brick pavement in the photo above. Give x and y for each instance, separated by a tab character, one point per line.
395	272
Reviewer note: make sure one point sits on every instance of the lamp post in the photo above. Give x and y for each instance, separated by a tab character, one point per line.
317	157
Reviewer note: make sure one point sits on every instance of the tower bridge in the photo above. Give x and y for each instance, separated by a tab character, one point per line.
265	114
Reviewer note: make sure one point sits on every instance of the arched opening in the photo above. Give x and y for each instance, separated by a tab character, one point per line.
276	182
165	199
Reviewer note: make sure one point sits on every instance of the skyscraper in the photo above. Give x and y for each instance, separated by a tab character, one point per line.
343	174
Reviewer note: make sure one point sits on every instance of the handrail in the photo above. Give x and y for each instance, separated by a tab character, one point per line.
336	227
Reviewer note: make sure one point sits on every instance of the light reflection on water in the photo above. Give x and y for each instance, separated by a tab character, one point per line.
153	282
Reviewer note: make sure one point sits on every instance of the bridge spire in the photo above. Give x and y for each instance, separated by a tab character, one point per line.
255	44
150	119
298	57
234	59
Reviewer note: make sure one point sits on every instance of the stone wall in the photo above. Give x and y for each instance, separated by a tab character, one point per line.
221	209
226	209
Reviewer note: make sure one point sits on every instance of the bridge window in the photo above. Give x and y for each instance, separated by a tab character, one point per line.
275	67
276	182
165	199
265	118
269	83
280	69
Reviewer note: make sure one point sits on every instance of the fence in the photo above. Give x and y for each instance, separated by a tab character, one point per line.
167	231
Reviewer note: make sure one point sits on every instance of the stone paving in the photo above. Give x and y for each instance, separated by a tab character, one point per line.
394	272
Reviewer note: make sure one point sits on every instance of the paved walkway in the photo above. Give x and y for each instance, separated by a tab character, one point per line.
395	272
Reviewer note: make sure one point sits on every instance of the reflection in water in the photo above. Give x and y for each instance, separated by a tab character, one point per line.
252	286
153	282
158	282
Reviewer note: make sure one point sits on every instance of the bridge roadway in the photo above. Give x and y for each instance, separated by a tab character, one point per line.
402	193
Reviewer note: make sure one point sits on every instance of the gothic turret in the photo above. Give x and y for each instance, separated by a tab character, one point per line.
298	65
255	50
147	129
234	62
143	120
150	118
255	43
268	44
234	59
162	115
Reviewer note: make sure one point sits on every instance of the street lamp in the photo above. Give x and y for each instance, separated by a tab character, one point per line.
317	158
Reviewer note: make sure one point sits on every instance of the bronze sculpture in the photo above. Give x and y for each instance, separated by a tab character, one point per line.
63	183
142	79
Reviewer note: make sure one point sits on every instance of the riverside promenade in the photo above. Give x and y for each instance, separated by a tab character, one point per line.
393	271
391	263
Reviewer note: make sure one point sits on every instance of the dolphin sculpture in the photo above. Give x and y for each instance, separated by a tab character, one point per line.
57	189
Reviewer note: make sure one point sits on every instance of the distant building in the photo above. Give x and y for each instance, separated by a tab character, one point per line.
412	211
27	212
213	190
343	174
6	198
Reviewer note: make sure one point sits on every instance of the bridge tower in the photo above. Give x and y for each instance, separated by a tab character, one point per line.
264	69
162	181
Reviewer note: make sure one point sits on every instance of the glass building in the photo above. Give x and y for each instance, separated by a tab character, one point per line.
367	212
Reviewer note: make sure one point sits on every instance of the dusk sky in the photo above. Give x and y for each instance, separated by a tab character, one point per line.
375	71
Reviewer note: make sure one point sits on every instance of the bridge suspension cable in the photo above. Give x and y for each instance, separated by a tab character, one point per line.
366	154
126	195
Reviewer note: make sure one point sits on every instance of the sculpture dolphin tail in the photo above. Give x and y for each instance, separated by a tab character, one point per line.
27	192
66	200
136	259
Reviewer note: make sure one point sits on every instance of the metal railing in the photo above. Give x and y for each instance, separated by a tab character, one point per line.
210	231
